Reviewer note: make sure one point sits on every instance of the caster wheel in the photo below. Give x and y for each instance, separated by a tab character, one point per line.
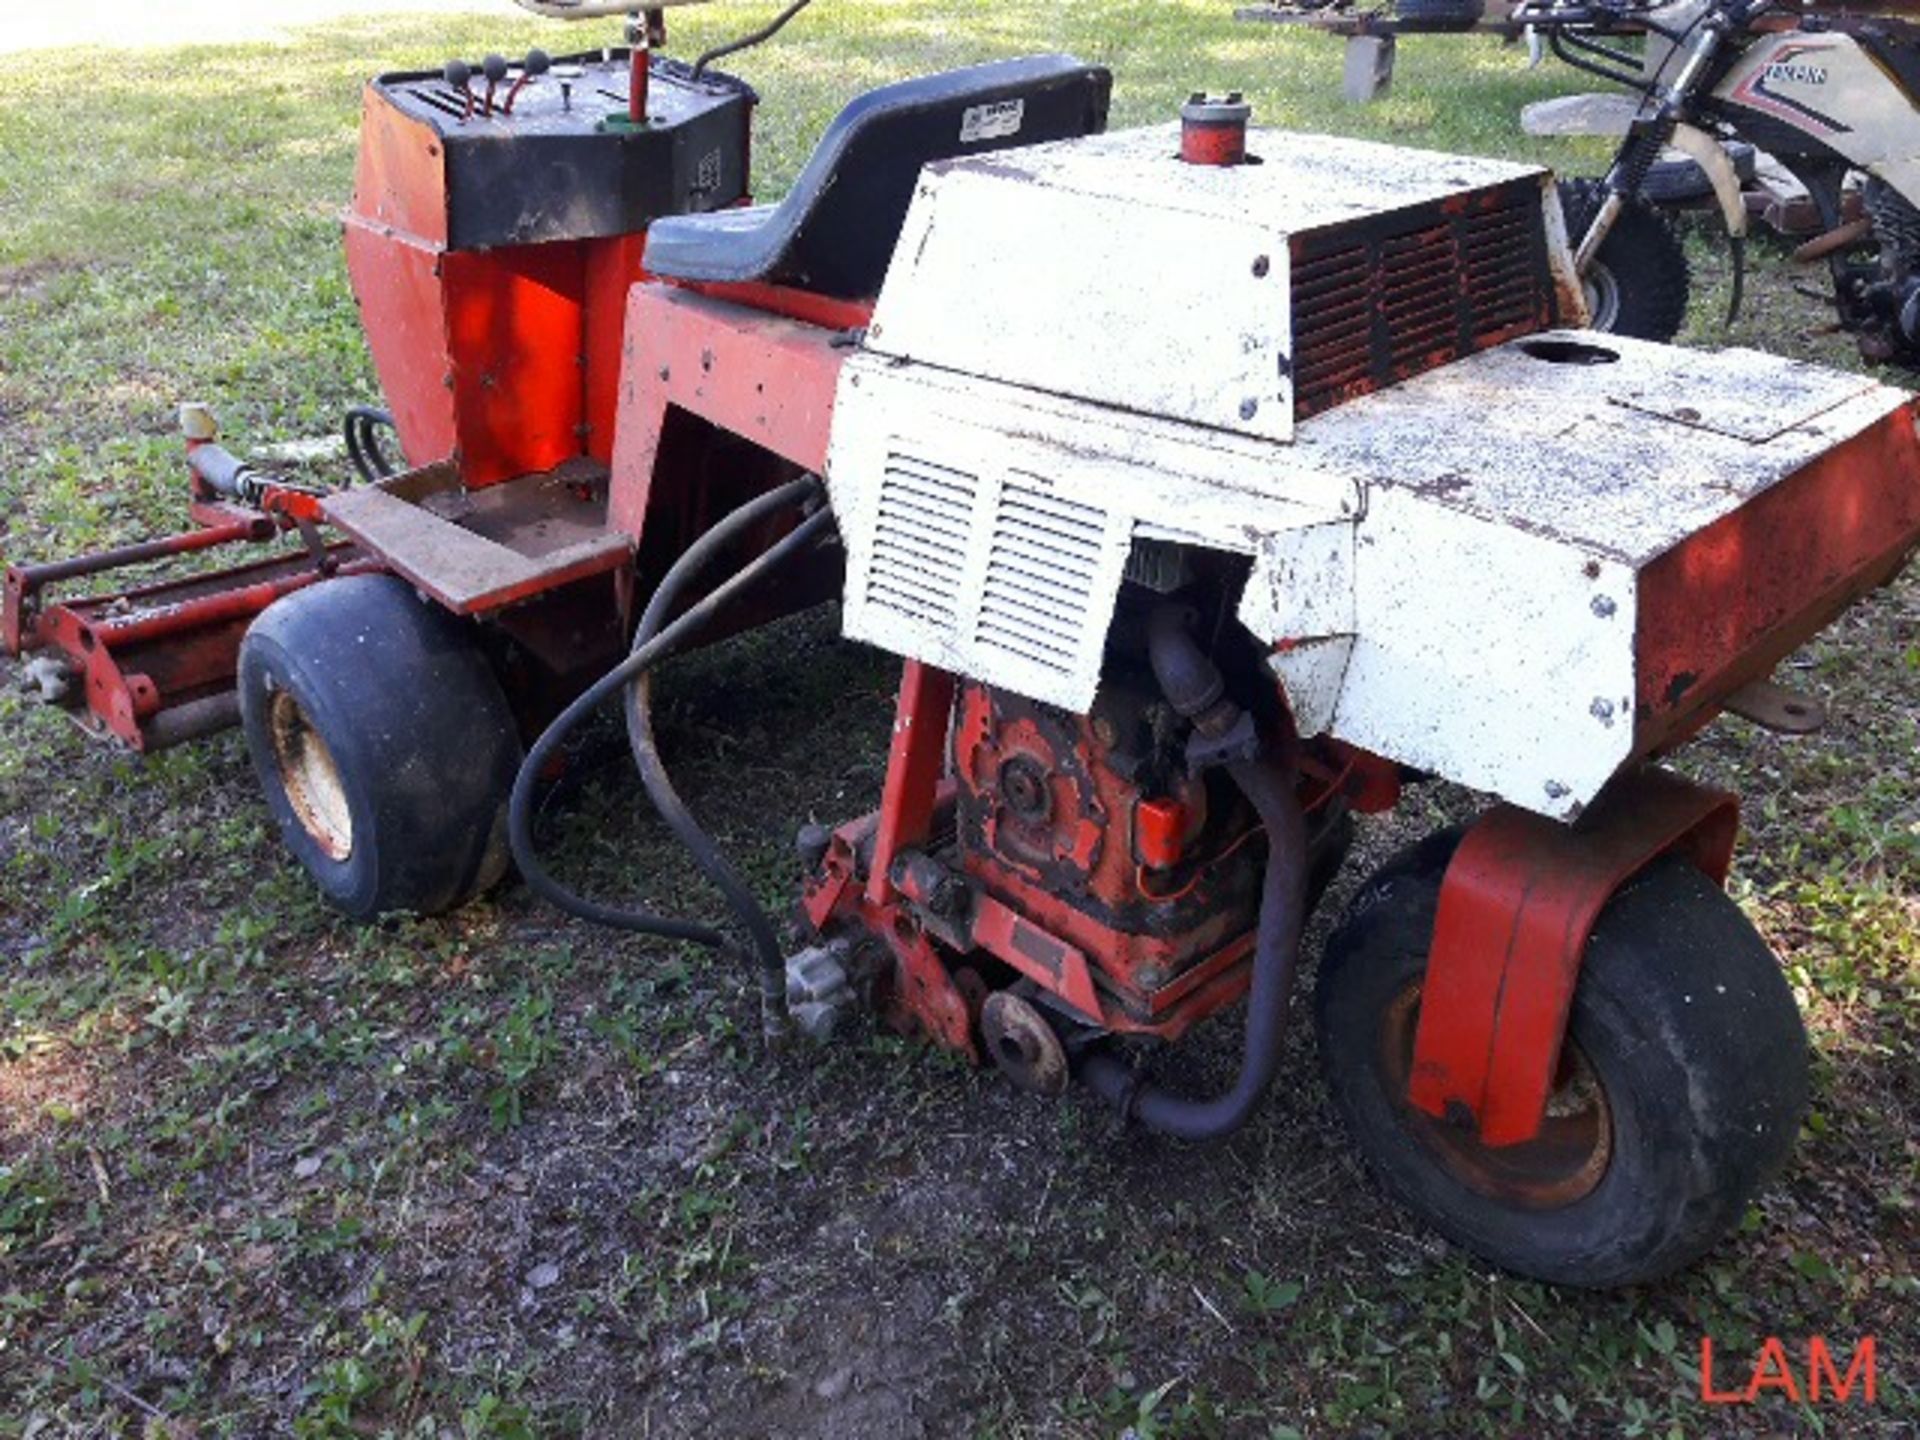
383	743
1679	1092
1023	1044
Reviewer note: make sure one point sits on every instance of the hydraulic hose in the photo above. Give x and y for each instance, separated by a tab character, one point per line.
655	644
1194	687
769	961
360	429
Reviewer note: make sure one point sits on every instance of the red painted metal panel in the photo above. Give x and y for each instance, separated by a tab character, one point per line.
480	355
612	268
1726	605
768	379
516	330
915	762
399	181
1516	908
396	279
1049	962
802	305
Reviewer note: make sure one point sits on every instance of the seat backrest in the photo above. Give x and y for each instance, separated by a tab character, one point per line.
844	214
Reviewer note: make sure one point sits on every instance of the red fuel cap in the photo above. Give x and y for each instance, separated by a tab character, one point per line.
1213	129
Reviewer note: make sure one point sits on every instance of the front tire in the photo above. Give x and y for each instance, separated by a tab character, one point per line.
383	742
1679	1095
1639	282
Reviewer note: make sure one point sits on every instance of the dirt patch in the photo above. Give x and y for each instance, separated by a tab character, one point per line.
31	280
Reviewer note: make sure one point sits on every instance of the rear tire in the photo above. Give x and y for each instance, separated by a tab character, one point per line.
1679	1096
383	742
1639	282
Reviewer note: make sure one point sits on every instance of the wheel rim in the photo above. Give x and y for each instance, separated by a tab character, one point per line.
1603	297
1023	1044
1563	1164
309	777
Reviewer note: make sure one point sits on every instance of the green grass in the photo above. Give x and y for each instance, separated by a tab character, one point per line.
265	1172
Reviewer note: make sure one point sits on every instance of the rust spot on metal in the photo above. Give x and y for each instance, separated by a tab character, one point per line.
1380	301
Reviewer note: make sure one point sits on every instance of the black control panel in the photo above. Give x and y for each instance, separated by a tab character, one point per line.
543	149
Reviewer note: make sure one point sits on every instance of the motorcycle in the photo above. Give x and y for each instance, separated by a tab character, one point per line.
1832	97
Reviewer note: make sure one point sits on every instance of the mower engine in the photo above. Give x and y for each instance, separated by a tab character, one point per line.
1084	847
1094	826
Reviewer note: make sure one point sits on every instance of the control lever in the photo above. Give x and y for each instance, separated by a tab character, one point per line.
494	67
535	65
458	74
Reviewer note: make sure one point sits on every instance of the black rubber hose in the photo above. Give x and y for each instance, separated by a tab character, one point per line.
764	33
666	799
667	642
1186	674
1270	790
363	445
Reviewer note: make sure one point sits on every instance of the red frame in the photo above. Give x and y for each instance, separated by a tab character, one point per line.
1029	933
921	997
761	376
1517	907
156	663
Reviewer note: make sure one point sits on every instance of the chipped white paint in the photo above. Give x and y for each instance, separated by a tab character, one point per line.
1312	674
988	527
1624	459
1448	570
1108	270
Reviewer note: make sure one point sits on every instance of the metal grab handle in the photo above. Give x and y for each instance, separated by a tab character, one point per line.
597	9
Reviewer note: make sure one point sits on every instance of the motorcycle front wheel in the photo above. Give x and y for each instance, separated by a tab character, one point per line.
1639	282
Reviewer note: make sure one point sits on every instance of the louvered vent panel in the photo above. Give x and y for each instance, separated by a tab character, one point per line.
1378	301
1040	576
1495	248
1330	295
1419	298
920	539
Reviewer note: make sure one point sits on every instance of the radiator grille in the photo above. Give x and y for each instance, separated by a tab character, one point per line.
920	539
1379	301
1040	573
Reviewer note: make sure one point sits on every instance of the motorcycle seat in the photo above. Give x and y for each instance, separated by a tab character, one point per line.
835	231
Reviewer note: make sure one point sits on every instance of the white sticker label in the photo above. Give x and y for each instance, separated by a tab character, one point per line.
990	122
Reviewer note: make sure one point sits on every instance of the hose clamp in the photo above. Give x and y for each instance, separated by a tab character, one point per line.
1239	745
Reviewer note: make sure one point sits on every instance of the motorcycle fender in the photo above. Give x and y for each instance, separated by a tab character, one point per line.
1711	156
